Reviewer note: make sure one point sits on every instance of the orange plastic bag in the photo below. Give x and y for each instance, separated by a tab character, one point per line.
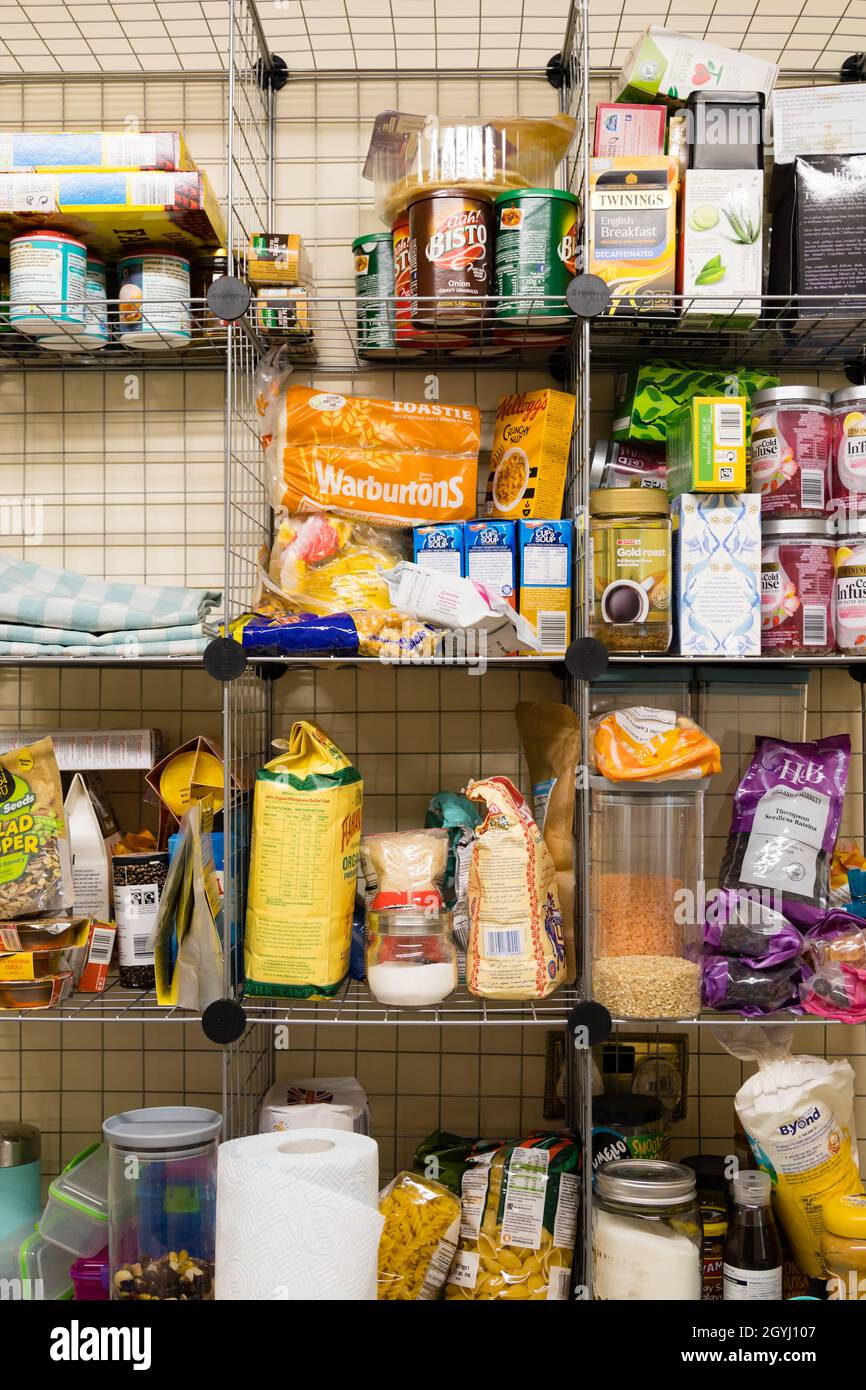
652	745
397	462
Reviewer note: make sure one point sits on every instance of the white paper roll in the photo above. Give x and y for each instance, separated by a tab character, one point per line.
291	1117
298	1217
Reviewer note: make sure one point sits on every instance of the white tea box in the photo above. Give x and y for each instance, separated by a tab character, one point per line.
717	573
721	239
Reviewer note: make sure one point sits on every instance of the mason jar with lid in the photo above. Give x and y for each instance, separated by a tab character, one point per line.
790	450
411	956
630	543
646	1233
798	567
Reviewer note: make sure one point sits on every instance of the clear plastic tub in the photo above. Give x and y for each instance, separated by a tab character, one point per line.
76	1213
90	1278
646	847
44	1270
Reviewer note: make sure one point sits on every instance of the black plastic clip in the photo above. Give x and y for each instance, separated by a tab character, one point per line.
228	298
557	71
587	296
224	659
589	1024
224	1021
272	76
586	659
854	68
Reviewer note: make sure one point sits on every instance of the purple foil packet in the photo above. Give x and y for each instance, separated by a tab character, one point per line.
735	984
786	818
742	924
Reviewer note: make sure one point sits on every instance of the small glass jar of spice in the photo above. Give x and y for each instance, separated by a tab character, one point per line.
630	541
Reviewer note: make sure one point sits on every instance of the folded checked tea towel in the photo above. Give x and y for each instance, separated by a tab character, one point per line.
125	646
40	597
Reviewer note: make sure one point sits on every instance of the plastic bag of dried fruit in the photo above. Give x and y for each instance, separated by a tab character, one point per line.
642	744
518	1220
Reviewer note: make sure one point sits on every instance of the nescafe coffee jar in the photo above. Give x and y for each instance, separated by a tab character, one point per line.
798	562
451	256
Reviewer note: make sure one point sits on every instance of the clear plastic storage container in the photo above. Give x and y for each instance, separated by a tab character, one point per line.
646	1233
162	1202
646	852
44	1269
76	1213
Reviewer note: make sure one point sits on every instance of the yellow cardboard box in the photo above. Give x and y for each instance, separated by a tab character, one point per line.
529	459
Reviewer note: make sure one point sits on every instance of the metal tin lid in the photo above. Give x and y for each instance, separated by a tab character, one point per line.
782	395
627	1109
714	1221
372	236
816	527
54	235
166	252
598	463
521	193
409	921
162	1127
645	1182
19	1144
850	395
475	194
629	501
852	529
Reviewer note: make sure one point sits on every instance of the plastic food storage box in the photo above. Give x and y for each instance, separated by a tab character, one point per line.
76	1213
44	1270
90	1278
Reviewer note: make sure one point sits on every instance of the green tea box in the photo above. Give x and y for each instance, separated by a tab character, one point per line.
664	66
651	393
720	263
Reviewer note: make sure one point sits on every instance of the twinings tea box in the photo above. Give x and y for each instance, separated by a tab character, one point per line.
720	261
544	556
529	458
632	231
666	66
717	573
707	446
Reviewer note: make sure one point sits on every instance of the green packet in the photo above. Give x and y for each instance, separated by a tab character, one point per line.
443	1156
649	395
460	817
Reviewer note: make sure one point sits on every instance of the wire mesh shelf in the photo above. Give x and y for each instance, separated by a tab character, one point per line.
355	1006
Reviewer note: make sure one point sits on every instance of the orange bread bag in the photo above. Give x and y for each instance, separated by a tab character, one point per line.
652	745
398	462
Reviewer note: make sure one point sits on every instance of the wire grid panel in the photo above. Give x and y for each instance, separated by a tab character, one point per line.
248	1072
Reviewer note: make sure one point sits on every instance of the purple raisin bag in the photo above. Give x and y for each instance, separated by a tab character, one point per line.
734	984
786	818
740	924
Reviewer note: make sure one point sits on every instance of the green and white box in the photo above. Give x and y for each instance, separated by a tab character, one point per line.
664	65
721	243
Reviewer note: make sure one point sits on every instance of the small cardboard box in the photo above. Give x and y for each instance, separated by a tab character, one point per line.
97	959
818	248
284	312
440	547
278	258
97	750
491	560
826	119
545	550
667	66
707	446
529	458
649	395
90	862
78	151
720	249
623	129
633	231
717	574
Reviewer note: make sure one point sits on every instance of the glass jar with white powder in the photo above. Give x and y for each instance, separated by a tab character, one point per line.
411	956
646	1232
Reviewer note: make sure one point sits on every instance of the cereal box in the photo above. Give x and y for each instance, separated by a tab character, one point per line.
545	558
490	557
529	459
439	548
74	151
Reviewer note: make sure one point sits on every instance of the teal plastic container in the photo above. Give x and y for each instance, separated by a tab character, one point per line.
20	1189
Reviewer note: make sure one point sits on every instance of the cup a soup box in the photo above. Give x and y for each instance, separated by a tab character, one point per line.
545	550
440	547
717	573
490	558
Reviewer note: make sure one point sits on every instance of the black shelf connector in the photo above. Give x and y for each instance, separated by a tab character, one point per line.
224	659
224	1021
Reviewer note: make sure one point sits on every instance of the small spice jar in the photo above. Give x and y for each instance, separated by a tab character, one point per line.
646	1233
843	1246
798	567
790	450
630	540
848	472
411	957
849	600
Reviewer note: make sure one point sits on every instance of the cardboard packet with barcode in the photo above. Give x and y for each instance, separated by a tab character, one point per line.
516	946
706	449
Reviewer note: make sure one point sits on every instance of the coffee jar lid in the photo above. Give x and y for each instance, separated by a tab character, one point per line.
628	501
817	527
478	195
19	1144
850	395
645	1182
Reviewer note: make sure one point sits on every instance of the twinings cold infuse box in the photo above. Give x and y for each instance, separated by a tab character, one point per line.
706	449
529	458
632	231
545	556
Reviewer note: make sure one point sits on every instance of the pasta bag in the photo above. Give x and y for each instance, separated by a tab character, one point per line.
419	1238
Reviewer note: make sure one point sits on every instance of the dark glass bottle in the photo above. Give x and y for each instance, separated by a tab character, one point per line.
753	1253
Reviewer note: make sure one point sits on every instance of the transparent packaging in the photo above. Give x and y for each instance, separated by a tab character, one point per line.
45	1270
162	1200
646	1233
646	853
76	1213
411	956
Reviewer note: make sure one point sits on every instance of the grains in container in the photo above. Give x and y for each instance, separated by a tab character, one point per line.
636	914
647	986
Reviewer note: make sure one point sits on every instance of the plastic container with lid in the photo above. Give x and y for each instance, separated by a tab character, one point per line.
162	1202
790	450
627	1126
646	1233
76	1213
20	1193
411	956
849	597
646	852
90	1278
848	469
630	542
44	1270
843	1246
798	568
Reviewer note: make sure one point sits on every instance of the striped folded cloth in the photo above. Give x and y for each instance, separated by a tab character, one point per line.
126	644
35	596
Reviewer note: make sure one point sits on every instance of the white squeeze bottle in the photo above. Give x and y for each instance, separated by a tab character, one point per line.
753	1253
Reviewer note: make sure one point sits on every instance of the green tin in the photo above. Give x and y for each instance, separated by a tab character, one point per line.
374	287
536	254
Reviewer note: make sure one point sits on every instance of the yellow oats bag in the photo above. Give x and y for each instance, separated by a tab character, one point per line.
303	868
516	948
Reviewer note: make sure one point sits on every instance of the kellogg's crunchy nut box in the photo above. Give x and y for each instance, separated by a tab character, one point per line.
529	459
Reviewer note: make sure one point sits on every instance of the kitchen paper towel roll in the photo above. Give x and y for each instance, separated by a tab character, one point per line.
297	1217
309	1117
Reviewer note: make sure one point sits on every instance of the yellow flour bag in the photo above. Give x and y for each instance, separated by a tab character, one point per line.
303	868
516	948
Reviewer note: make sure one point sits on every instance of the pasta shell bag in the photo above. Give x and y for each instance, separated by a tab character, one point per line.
303	868
516	948
798	1114
518	1221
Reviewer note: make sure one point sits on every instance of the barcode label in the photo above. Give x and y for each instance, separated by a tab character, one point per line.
559	1282
500	943
152	190
814	626
812	488
100	946
139	948
726	474
730	426
552	631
